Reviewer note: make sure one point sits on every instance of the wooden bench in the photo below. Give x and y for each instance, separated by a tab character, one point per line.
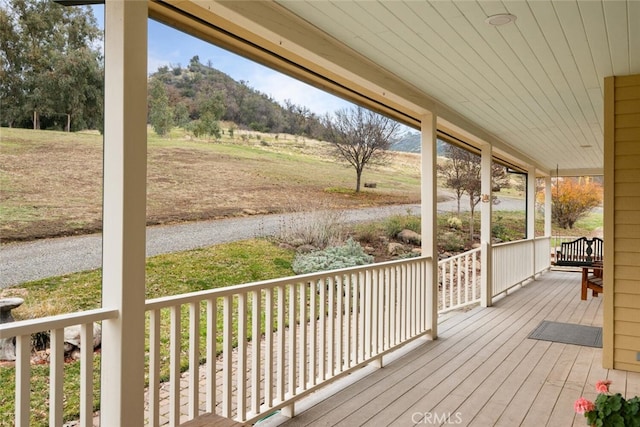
591	279
580	252
211	420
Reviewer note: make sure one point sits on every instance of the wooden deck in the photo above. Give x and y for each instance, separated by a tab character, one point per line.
483	370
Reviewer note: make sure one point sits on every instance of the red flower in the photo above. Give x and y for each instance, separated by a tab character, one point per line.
583	405
602	386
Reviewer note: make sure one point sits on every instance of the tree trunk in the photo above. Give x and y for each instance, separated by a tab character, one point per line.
358	176
68	122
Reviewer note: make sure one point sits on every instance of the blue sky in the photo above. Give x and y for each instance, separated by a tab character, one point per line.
169	46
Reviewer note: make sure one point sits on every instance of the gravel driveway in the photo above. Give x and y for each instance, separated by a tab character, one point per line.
23	262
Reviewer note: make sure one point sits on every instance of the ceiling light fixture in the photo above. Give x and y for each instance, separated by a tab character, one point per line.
500	19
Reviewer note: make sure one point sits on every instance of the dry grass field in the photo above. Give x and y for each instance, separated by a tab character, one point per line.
51	182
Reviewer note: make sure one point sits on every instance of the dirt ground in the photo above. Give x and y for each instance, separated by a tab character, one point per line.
53	187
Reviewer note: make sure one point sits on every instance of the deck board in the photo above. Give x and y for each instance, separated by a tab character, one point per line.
484	370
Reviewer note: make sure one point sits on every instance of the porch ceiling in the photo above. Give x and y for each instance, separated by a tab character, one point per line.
533	88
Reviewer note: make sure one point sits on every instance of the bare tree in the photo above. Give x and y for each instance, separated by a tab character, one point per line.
461	172
360	137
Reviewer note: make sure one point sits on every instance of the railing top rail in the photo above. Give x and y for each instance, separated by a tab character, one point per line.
158	303
32	326
514	242
462	254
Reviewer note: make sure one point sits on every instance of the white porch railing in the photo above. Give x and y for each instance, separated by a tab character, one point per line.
315	328
516	262
512	264
55	325
459	281
312	329
542	254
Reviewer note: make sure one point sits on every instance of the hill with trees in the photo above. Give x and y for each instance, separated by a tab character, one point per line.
196	96
52	77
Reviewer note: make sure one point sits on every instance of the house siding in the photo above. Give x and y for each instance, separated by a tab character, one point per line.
622	223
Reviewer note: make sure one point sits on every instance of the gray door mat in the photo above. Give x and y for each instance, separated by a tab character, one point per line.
568	333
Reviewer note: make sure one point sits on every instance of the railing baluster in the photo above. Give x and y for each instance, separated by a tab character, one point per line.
56	374
23	375
322	332
466	280
442	284
212	349
335	332
292	340
375	311
227	355
452	283
381	304
313	331
345	356
280	391
362	308
393	292
459	276
414	299
174	363
154	368
194	359
86	375
388	306
241	371
402	319
302	341
256	335
268	348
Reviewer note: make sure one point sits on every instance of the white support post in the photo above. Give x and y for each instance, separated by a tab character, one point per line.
486	202
547	216
429	206
125	166
531	202
531	214
547	206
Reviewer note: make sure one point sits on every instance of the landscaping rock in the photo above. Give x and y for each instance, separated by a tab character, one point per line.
305	249
410	237
395	248
72	337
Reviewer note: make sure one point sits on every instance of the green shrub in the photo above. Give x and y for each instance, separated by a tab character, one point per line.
396	223
450	241
367	232
454	222
332	258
